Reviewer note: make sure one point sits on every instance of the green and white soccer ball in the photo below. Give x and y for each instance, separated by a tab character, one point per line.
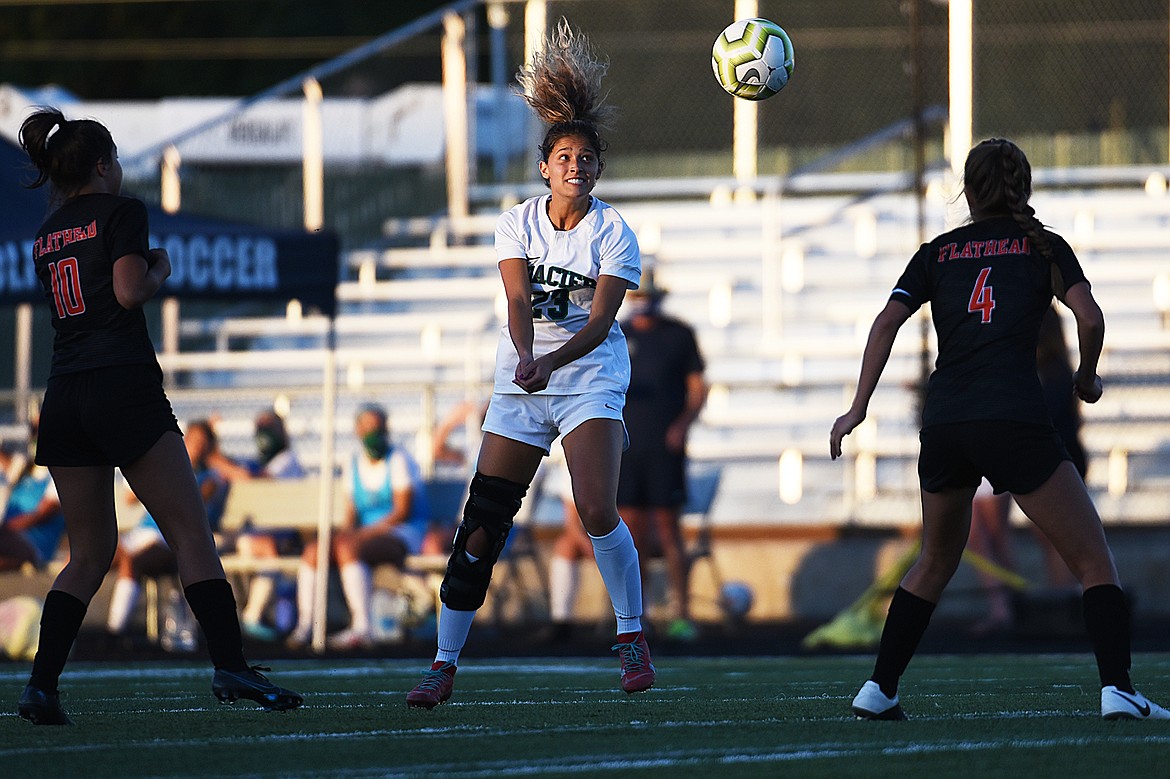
752	58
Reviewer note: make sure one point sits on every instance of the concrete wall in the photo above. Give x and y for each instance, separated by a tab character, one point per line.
808	578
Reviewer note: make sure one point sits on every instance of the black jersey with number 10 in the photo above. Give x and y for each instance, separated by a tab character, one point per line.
75	251
988	288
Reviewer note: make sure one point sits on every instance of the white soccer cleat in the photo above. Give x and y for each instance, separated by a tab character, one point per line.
1116	704
872	703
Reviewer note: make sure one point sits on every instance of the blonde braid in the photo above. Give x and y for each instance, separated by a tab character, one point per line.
1017	189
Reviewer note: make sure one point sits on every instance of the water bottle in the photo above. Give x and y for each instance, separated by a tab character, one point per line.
387	610
178	633
284	612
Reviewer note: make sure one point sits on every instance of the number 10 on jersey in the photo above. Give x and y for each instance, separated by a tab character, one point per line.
65	281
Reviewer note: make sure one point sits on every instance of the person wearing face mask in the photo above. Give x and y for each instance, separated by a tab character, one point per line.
275	459
667	392
386	519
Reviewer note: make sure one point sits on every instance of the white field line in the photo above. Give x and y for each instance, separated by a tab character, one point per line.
321	668
710	757
935	673
465	731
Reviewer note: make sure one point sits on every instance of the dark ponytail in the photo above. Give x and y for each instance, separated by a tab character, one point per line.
998	179
64	152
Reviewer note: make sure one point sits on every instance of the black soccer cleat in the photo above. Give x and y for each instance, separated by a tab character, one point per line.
230	686
42	708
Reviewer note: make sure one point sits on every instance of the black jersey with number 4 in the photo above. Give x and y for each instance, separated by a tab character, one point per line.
75	251
988	288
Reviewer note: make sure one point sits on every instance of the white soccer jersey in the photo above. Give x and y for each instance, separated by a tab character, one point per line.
563	268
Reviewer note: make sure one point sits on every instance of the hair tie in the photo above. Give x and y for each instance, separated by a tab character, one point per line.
56	126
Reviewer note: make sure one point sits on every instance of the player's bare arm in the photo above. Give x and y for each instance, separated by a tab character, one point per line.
518	292
873	361
1090	340
611	290
138	278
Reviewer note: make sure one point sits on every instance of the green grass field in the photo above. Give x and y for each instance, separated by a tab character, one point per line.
971	715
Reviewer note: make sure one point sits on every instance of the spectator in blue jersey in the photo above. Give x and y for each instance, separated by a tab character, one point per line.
31	523
667	392
989	284
386	519
105	408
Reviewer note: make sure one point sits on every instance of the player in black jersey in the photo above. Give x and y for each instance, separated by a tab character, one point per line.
104	407
989	284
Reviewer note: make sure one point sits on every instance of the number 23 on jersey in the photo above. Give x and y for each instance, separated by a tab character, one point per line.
550	304
981	301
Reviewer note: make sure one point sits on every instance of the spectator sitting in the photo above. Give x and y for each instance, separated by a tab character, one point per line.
143	551
386	519
275	460
32	523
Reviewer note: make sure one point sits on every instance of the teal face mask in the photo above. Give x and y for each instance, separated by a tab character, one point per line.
376	443
268	445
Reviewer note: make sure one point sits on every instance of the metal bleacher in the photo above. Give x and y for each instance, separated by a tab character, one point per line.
781	291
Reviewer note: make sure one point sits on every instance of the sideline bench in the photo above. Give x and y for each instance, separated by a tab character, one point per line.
293	504
270	504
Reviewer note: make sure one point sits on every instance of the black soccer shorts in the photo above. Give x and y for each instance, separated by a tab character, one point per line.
1015	457
104	416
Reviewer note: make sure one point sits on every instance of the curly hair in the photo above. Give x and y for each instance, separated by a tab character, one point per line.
562	84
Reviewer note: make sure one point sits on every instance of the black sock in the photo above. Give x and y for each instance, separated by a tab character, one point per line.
1107	622
906	622
214	606
60	621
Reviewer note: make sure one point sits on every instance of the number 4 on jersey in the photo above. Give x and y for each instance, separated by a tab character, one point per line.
981	300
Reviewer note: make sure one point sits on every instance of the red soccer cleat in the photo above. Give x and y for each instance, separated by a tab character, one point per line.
435	688
637	670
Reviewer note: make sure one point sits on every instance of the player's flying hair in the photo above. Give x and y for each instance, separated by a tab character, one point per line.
562	84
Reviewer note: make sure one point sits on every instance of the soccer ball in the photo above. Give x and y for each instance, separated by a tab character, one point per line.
735	599
752	58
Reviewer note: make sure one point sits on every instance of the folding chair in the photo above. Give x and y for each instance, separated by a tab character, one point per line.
702	487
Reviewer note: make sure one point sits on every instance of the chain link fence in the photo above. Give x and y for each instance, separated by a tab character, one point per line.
1077	82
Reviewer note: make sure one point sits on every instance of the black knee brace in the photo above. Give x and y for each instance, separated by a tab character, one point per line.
491	506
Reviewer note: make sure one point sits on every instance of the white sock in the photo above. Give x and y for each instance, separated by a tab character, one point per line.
617	560
122	603
259	593
453	629
306	590
355	584
562	585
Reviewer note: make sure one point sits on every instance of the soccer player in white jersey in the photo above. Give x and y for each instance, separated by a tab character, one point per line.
562	367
